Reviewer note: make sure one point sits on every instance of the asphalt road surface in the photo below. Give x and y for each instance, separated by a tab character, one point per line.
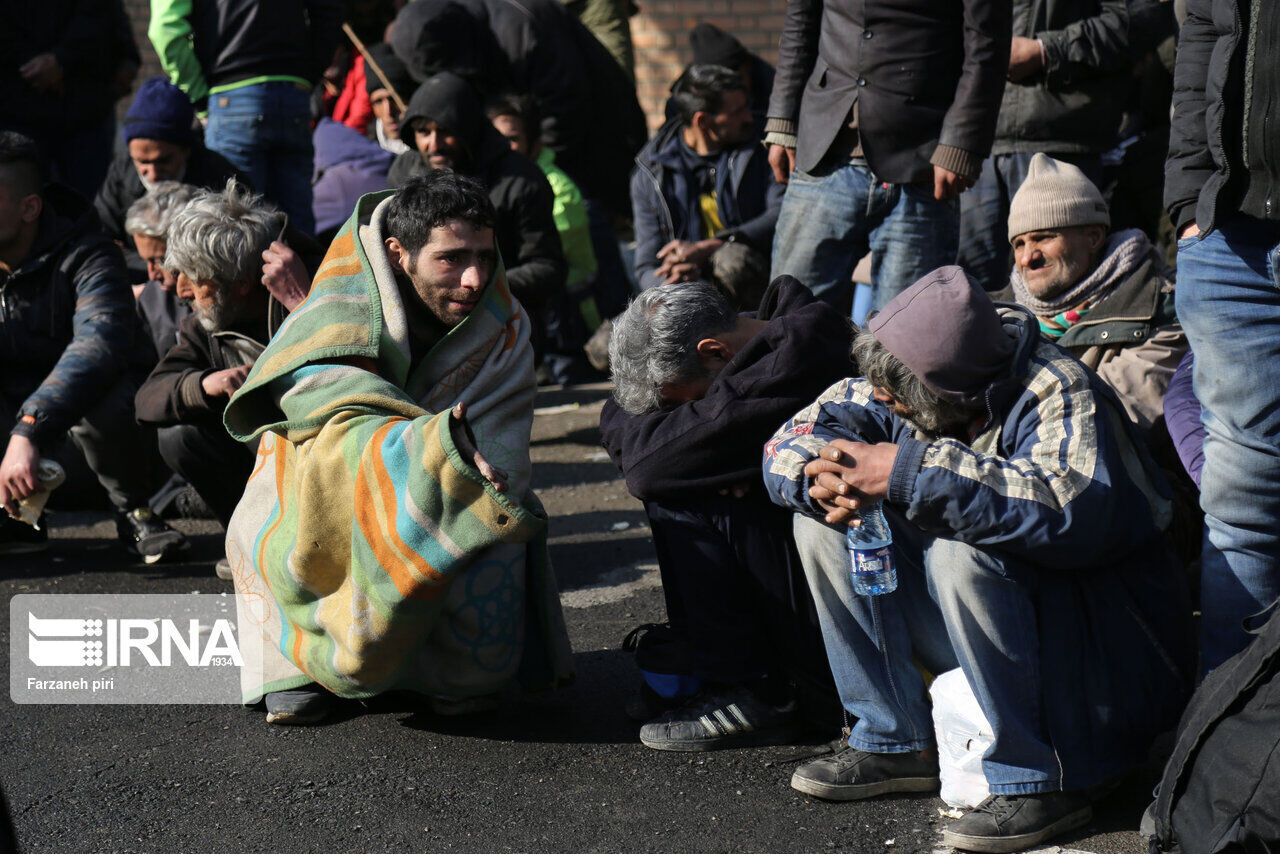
560	772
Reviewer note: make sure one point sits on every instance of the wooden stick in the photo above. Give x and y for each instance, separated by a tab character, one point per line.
369	63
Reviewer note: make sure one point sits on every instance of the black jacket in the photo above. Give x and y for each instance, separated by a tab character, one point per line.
1205	170
1075	104
240	39
68	327
173	394
706	445
927	76
78	33
522	198
664	199
591	118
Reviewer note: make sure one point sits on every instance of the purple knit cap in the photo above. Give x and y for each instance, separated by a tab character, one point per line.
945	329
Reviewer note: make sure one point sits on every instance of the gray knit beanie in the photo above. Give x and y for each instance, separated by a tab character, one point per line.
1055	195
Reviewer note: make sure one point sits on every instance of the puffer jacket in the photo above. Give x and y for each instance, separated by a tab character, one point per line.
1075	103
663	199
1058	481
68	327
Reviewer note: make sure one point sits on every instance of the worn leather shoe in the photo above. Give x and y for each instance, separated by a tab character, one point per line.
852	774
1004	823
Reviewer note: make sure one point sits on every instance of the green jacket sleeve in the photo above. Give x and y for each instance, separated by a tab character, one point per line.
170	34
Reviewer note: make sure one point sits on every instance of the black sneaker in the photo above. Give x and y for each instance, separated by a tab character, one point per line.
149	536
853	774
1004	823
17	538
309	704
725	716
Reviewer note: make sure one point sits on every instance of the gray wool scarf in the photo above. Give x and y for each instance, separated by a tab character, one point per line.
1124	252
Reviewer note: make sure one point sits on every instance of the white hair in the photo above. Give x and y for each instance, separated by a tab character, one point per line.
220	237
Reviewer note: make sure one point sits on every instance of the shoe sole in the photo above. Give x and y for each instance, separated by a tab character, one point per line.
859	791
295	719
1009	844
755	738
224	572
170	550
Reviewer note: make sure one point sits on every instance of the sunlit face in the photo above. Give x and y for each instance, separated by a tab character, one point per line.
387	112
439	147
450	271
157	160
512	129
152	249
1052	262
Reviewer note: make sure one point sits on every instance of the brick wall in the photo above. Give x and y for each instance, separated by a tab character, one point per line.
661	37
660	33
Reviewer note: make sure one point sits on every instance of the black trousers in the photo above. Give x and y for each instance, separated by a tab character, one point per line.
736	591
211	461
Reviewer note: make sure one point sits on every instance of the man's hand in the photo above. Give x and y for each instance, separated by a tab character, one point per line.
466	442
43	73
224	383
1191	229
948	184
848	475
782	161
683	260
284	275
1025	58
18	472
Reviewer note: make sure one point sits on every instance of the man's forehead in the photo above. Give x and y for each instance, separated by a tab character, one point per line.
458	233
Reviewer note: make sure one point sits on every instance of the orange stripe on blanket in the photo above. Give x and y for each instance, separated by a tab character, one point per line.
395	557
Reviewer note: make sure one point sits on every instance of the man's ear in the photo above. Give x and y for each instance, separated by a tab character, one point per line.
30	208
713	349
1097	237
396	254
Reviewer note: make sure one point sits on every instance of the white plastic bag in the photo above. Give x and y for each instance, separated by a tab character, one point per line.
963	735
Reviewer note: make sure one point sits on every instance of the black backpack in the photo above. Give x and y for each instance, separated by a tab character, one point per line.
1221	787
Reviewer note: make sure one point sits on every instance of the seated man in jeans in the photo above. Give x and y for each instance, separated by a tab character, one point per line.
698	390
1029	533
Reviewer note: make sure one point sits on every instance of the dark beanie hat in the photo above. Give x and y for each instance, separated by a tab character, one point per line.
713	46
945	329
397	75
160	111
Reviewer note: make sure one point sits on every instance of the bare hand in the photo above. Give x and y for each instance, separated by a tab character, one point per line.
18	472
1191	229
43	73
224	383
683	260
948	184
782	161
848	475
466	443
284	275
1024	58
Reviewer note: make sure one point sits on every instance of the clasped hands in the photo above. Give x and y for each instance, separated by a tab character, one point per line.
847	476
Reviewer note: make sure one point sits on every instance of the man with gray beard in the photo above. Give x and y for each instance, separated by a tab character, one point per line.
1029	533
216	246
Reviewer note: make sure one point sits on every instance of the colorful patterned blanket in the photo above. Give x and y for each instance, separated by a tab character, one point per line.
368	553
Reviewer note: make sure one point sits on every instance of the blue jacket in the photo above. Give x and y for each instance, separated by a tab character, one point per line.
1058	479
68	326
664	201
347	165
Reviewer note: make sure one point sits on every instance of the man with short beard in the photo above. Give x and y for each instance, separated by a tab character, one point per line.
1106	297
1028	527
216	245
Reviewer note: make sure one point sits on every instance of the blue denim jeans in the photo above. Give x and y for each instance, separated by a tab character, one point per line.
984	212
1228	300
265	131
954	606
829	222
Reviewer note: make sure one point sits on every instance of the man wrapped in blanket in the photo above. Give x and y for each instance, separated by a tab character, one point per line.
1029	534
388	537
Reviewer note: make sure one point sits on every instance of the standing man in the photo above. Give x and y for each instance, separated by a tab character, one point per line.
1222	189
881	115
1069	67
252	64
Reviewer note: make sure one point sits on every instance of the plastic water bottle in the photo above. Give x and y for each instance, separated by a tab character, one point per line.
871	554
